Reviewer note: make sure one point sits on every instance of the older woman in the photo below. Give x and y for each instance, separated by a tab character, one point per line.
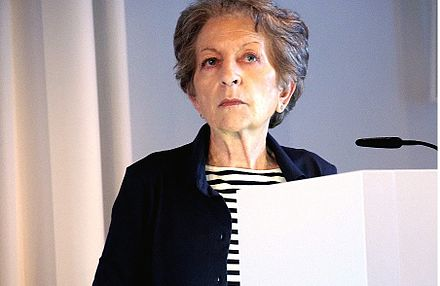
242	63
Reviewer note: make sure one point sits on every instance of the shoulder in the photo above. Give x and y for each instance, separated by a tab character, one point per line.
158	162
311	164
144	179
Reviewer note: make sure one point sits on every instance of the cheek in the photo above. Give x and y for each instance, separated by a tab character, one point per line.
269	89
200	85
266	78
195	103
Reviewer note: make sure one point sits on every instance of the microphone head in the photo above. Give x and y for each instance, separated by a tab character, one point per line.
380	142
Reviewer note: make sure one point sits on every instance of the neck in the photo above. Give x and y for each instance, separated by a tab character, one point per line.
244	149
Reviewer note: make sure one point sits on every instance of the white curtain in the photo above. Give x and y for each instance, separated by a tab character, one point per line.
64	136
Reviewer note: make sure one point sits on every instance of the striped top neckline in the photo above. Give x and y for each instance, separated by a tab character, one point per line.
238	169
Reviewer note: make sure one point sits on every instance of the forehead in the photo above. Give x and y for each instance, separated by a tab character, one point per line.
228	29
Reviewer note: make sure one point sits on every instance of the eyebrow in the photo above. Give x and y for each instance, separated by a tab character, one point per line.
241	47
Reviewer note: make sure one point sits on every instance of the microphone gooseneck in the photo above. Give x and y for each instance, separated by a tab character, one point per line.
390	142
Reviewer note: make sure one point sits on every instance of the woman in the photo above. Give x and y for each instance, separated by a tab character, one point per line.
242	64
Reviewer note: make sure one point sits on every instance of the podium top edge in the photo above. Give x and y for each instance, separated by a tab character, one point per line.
393	171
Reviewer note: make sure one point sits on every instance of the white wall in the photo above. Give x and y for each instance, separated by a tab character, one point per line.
372	73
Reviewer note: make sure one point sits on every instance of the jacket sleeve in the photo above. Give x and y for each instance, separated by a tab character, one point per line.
328	169
317	166
126	258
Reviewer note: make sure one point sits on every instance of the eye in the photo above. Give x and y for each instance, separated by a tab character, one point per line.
209	62
250	58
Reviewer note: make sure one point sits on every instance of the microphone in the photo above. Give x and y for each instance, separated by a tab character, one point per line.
390	142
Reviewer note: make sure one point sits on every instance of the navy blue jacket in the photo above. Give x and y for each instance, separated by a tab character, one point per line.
169	227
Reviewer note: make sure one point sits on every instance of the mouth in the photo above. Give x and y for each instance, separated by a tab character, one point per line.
230	102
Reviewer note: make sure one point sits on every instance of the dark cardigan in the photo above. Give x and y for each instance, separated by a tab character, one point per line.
169	227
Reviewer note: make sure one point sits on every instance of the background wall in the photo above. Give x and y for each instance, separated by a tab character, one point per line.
372	73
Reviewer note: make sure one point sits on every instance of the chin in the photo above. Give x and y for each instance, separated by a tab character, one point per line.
234	125
227	125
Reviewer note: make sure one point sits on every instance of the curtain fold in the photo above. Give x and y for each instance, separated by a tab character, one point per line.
64	142
8	196
112	75
73	118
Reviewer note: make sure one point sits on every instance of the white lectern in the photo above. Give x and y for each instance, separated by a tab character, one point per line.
366	228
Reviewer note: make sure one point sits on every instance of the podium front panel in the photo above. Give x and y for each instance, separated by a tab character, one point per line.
347	229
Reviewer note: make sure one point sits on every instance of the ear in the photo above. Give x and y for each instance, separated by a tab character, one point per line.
285	96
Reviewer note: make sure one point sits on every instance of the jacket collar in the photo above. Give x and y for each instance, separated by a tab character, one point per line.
199	155
290	170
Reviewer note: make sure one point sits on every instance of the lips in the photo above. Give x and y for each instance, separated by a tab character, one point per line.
230	102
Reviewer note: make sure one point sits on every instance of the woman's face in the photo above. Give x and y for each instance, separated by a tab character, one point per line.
235	85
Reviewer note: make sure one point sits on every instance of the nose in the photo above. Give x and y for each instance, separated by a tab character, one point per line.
230	75
230	83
